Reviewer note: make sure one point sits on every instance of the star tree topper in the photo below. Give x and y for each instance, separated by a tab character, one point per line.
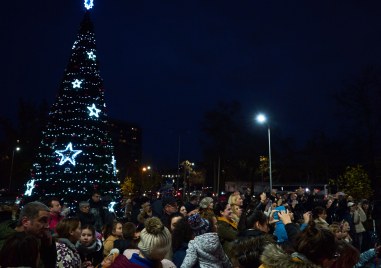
93	110
89	4
68	154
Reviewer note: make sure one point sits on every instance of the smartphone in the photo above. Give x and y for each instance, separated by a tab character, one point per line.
278	209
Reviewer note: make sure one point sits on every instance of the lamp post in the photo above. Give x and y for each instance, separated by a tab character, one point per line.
10	174
261	118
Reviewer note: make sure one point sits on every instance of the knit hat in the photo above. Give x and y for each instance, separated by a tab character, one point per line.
84	204
155	239
198	225
205	202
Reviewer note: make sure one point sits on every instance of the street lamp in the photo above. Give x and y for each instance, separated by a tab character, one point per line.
261	118
10	175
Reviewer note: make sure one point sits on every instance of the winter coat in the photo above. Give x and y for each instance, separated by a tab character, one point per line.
359	217
250	233
86	218
179	255
123	244
55	218
206	250
227	232
48	252
274	257
67	254
108	244
321	223
92	253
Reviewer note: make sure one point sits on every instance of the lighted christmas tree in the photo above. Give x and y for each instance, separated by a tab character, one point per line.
76	156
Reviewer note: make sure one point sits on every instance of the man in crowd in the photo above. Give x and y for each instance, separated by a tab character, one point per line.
34	220
170	206
55	213
96	208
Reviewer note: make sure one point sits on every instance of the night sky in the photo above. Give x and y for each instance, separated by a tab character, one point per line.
164	63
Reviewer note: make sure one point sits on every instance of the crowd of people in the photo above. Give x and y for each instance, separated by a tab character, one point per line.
293	229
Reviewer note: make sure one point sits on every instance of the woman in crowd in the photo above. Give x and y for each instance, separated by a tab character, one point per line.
257	225
154	245
345	230
313	247
206	207
173	219
112	232
205	250
236	212
183	210
181	235
89	247
20	251
227	228
319	216
146	212
68	232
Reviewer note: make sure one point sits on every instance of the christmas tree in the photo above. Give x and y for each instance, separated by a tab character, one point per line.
76	156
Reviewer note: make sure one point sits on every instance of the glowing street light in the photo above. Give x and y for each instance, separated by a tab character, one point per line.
144	169
261	119
10	174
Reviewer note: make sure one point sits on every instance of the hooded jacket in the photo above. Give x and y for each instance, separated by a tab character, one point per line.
206	250
273	257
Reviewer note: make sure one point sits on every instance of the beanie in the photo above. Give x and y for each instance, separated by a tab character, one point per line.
84	204
205	202
198	225
155	239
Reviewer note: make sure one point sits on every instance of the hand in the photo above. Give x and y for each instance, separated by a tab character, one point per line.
377	248
307	217
87	264
271	217
285	217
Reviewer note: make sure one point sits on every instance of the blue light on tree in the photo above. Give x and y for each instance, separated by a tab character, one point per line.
77	83
29	188
113	162
93	110
91	55
89	4
68	154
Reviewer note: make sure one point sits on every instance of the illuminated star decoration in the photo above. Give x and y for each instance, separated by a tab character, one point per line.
111	206
68	154
29	188
93	110
113	162
89	4
91	55
77	83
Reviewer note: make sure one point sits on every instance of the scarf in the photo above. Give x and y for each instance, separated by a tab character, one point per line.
230	222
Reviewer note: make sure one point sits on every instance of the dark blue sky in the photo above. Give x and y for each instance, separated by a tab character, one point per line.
164	63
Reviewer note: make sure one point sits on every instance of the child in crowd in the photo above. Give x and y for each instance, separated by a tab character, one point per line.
89	247
112	233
